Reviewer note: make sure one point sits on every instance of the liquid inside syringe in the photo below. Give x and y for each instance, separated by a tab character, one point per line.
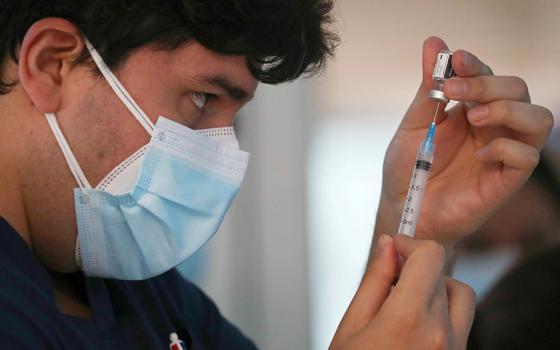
417	187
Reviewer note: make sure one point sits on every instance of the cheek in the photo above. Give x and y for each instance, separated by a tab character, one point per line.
103	133
164	99
157	90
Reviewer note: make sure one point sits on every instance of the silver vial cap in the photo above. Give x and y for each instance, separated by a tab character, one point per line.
438	96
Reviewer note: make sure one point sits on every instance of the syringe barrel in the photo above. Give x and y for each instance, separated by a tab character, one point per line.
416	189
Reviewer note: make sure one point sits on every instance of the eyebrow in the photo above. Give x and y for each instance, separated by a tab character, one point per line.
234	92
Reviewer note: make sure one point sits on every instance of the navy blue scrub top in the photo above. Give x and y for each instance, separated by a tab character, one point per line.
126	315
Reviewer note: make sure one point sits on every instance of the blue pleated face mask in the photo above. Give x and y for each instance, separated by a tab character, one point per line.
160	205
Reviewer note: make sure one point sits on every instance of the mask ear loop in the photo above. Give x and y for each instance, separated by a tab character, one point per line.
74	167
71	160
77	172
119	89
123	95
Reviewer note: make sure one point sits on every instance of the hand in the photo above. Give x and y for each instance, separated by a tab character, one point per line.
424	310
486	148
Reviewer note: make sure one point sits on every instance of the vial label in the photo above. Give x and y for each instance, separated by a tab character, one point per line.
443	68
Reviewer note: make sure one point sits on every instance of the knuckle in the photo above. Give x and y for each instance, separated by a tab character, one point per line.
411	319
467	293
434	249
470	295
439	338
462	62
377	272
479	86
548	119
534	158
521	85
500	146
501	110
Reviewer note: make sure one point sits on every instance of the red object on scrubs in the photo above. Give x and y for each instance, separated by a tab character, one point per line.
176	343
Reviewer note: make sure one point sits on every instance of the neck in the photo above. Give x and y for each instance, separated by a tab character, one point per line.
12	207
27	183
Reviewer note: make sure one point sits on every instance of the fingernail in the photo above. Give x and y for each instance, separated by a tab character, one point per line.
384	242
481	153
457	87
467	59
479	113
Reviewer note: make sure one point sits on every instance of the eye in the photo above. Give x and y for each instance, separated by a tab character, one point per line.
201	98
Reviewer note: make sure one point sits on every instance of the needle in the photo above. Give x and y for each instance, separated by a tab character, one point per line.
435	116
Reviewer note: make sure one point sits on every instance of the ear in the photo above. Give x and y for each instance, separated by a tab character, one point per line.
46	56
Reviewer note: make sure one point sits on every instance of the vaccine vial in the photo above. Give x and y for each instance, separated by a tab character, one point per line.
443	70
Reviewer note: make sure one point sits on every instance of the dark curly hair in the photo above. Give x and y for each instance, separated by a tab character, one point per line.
282	39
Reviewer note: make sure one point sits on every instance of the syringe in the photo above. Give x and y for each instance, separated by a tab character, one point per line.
443	70
413	201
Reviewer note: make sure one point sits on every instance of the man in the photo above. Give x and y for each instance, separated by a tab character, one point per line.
97	212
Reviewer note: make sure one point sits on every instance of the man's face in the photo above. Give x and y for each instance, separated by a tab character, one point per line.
102	132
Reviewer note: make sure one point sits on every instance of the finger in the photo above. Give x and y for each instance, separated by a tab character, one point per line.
422	269
438	305
512	153
461	304
373	290
465	64
535	122
486	88
422	108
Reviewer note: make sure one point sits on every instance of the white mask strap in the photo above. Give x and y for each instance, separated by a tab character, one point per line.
68	154
119	89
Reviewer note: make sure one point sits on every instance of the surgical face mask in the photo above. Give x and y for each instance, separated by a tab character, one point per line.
123	177
159	206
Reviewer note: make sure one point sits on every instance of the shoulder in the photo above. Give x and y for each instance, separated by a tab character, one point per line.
24	311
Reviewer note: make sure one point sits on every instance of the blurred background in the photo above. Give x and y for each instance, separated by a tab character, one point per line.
293	248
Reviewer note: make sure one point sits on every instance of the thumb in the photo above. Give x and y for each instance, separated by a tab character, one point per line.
373	291
422	109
